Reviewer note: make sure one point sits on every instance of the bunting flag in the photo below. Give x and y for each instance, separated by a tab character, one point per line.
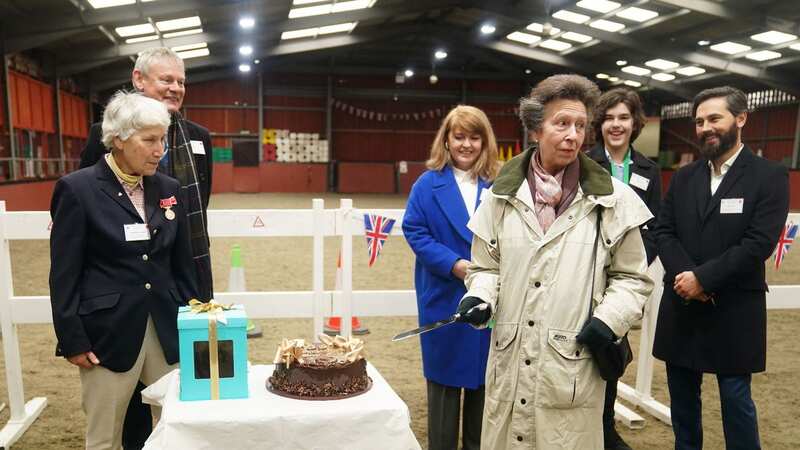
376	230
432	113
786	240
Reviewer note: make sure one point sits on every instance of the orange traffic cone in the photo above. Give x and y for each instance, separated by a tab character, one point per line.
333	325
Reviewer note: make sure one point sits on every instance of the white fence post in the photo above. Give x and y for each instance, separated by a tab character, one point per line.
346	211
22	414
318	206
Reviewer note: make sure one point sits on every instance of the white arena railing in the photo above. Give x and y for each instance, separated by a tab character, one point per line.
318	223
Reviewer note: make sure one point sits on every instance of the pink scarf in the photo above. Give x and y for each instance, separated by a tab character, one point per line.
548	194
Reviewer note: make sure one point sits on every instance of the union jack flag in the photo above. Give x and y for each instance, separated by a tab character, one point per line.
376	229
784	242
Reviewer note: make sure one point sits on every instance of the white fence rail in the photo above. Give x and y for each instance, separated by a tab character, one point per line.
318	223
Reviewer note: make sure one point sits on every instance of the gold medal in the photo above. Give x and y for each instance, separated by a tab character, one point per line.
169	214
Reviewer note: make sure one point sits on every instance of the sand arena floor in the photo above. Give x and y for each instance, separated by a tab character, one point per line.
284	264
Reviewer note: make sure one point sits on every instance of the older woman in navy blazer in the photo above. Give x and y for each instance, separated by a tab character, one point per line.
462	163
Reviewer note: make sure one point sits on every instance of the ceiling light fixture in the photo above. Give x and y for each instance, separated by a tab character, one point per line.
690	71
602	76
440	54
773	37
607	25
135	30
193	53
731	48
244	68
539	28
555	45
632	83
246	50
763	55
601	6
636	70
661	64
182	33
576	37
622	62
247	22
488	29
178	24
408	73
524	38
703	43
663	76
637	14
570	16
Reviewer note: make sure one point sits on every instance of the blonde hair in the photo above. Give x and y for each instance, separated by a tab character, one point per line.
471	120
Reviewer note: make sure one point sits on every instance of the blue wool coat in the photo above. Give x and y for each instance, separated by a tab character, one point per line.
435	226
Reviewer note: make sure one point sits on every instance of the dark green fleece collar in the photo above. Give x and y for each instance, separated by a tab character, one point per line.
594	179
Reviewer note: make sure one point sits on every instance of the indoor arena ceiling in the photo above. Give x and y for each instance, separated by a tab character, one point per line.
672	48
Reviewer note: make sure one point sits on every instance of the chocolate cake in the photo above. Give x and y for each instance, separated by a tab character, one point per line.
330	369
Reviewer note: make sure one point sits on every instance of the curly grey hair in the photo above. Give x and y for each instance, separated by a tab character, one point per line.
571	87
129	112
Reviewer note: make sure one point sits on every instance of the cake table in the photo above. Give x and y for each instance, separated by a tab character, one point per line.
376	419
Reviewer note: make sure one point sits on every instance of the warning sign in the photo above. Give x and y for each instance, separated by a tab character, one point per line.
258	223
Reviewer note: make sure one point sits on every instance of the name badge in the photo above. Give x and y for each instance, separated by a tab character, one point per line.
639	181
137	232
731	206
198	148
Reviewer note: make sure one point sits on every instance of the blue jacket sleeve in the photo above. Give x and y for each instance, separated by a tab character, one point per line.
432	254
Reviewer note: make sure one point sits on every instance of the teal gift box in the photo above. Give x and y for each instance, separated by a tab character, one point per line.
196	341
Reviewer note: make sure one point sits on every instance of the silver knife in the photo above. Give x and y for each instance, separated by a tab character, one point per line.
435	325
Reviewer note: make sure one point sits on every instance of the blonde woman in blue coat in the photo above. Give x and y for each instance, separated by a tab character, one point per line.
462	164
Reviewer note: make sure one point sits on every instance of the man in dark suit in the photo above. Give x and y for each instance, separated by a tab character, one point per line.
719	222
159	74
617	121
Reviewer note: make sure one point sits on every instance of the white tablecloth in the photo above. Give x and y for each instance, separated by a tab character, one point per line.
377	419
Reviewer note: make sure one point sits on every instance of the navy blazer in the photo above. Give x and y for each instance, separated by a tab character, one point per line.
648	169
435	226
102	287
726	251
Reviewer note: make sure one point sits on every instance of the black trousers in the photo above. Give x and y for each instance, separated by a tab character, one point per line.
444	415
138	421
608	408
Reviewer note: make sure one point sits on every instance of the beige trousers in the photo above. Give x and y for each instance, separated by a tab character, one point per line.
106	393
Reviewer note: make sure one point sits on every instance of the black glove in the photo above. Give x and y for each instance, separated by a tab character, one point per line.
476	316
595	334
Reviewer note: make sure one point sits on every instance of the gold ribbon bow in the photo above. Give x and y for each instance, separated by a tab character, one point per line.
216	312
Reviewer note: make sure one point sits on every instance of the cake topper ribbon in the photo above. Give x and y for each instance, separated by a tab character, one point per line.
289	351
216	313
353	347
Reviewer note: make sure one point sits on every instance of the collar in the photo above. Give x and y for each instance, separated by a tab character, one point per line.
723	169
628	156
130	181
462	176
593	179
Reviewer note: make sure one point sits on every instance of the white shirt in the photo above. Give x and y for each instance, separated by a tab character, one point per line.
468	185
716	180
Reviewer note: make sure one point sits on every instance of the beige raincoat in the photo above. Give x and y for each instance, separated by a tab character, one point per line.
543	390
